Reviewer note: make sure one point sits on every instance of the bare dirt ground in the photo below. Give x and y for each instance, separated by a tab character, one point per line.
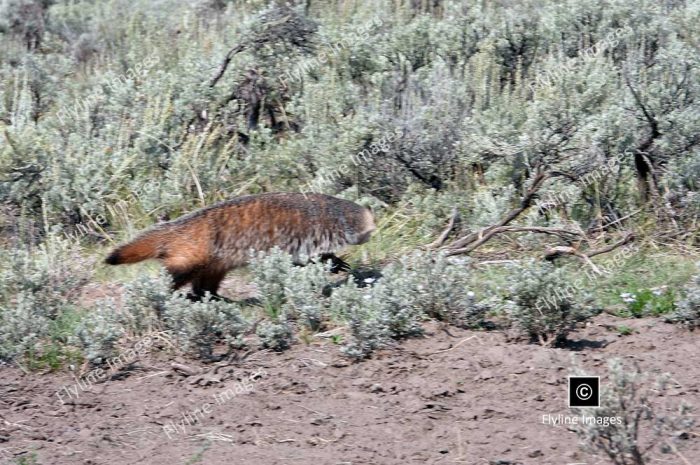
469	398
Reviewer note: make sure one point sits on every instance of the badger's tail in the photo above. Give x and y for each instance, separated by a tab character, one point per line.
145	246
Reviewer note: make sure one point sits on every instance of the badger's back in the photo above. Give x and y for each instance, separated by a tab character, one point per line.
304	225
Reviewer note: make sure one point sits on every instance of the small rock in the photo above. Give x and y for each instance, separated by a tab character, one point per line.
484	375
488	413
184	369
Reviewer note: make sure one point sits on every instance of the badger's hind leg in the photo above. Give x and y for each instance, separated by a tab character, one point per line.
207	280
181	277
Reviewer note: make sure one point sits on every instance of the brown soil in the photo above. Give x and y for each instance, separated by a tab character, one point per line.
469	397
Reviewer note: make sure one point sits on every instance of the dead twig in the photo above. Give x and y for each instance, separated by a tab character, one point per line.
556	252
280	25
451	226
184	369
454	346
563	233
675	451
471	241
560	250
629	237
224	64
619	220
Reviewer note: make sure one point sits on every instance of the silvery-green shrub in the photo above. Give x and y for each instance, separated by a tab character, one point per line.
417	287
295	291
276	334
37	287
687	311
100	331
544	302
630	423
367	330
199	326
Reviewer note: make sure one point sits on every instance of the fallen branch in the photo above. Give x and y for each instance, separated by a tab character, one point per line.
561	250
451	226
556	252
563	233
224	64
605	226
478	238
625	240
184	369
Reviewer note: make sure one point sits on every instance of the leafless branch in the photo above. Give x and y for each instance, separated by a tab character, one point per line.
451	226
629	237
224	64
564	233
472	241
558	251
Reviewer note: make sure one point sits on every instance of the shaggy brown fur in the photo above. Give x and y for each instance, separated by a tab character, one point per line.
201	247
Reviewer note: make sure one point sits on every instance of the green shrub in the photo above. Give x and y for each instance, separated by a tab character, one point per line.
107	324
306	303
544	302
199	326
22	326
100	332
110	120
688	308
150	306
438	287
648	302
367	330
630	422
146	299
37	289
276	334
290	290
270	273
418	287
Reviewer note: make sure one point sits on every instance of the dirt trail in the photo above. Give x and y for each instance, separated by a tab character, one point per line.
473	399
